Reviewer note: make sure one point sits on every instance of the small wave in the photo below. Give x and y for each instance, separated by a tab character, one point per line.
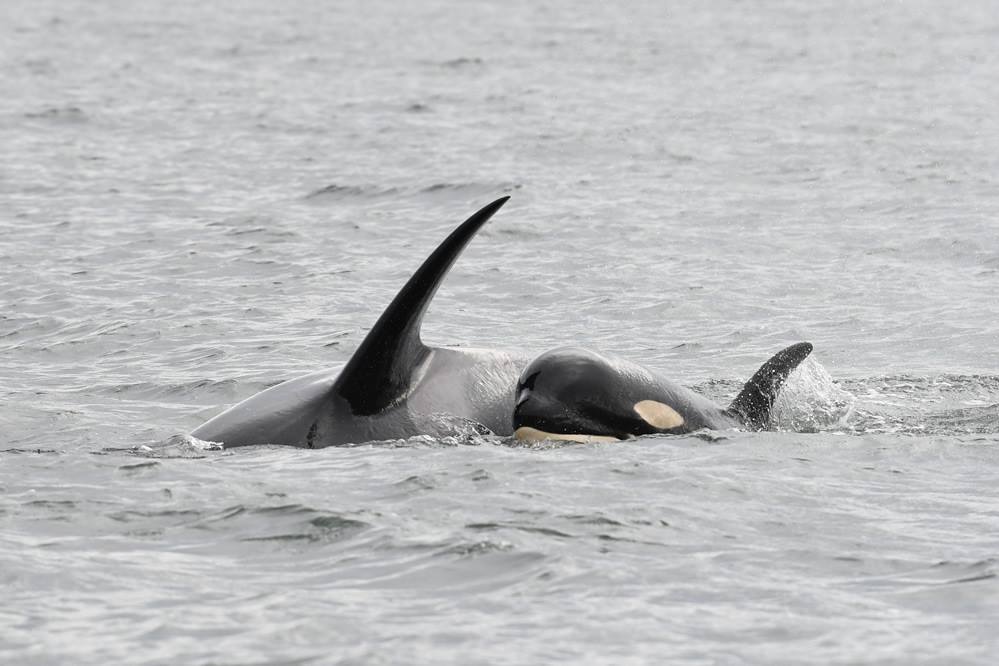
228	513
172	515
417	482
283	523
63	114
593	519
283	509
253	225
336	523
308	524
476	548
281	537
939	574
710	436
458	63
341	192
56	505
19	451
338	191
325	527
142	466
470	188
193	392
520	527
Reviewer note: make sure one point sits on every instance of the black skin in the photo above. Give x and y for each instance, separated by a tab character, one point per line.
576	391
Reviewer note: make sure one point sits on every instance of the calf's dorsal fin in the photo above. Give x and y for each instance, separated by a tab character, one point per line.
754	403
379	372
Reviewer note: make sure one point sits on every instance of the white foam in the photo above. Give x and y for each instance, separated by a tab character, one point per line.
811	401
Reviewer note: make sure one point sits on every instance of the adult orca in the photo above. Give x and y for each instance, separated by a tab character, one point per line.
576	394
394	386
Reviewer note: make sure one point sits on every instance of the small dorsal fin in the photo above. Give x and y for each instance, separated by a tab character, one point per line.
379	372
757	398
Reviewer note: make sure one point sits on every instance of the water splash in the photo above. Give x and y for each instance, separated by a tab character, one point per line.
811	401
178	446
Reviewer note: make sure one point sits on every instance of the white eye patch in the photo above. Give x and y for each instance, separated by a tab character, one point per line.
658	414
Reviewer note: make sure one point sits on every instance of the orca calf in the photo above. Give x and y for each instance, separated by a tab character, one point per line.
579	395
395	386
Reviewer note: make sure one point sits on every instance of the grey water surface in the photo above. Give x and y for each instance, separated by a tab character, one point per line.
201	199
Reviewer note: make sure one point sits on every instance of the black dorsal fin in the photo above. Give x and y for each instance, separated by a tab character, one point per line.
757	398
379	372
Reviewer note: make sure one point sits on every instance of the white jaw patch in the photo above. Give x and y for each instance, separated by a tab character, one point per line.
658	414
528	434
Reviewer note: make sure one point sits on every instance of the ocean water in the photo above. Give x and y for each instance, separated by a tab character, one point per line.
201	199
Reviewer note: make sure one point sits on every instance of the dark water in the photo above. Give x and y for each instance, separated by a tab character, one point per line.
198	200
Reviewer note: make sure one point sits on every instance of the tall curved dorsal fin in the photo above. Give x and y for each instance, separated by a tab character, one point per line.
379	372
754	403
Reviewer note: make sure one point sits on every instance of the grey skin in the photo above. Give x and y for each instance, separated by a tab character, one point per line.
394	386
453	391
580	395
